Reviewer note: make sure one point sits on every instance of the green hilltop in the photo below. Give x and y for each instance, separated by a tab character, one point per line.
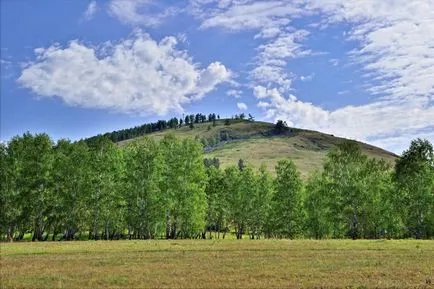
259	143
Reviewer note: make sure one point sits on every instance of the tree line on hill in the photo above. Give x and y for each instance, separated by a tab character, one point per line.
160	125
167	189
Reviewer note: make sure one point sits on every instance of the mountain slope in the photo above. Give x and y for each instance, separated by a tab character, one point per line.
259	143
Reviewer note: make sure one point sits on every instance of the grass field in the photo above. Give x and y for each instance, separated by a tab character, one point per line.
219	264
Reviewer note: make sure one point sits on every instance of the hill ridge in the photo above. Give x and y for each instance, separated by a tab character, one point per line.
258	142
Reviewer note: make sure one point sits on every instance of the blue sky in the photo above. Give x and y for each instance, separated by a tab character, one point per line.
357	69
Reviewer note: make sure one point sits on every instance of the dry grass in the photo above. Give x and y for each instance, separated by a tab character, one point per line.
218	264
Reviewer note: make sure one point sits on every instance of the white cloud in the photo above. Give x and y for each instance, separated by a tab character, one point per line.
140	12
376	122
393	44
242	106
90	10
307	77
271	19
243	15
235	93
137	75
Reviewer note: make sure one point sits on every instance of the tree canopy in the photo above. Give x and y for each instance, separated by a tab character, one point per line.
167	189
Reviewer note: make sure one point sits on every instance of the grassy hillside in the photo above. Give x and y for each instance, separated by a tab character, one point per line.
258	143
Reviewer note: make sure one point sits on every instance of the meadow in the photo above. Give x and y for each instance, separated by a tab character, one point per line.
219	264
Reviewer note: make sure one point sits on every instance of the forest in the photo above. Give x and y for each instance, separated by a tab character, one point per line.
169	190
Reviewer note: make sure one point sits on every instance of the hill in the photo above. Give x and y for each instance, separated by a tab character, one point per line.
259	143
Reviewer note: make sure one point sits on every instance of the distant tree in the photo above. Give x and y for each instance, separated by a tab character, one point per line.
242	116
173	123
227	121
191	125
251	118
218	116
162	125
281	126
197	118
187	120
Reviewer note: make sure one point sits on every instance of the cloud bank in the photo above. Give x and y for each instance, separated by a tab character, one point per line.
136	75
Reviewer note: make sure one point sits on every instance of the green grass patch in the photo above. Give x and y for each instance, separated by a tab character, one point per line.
218	264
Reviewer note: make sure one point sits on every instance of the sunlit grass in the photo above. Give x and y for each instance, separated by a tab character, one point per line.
253	143
218	264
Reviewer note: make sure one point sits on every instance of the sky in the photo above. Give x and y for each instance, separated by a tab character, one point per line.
360	69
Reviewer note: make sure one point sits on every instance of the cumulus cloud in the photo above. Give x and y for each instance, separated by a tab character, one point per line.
140	12
136	75
90	10
242	106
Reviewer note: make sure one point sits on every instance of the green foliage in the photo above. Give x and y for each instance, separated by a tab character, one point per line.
183	187
166	189
143	174
30	164
240	185
260	222
104	198
217	199
414	177
287	201
71	180
351	198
